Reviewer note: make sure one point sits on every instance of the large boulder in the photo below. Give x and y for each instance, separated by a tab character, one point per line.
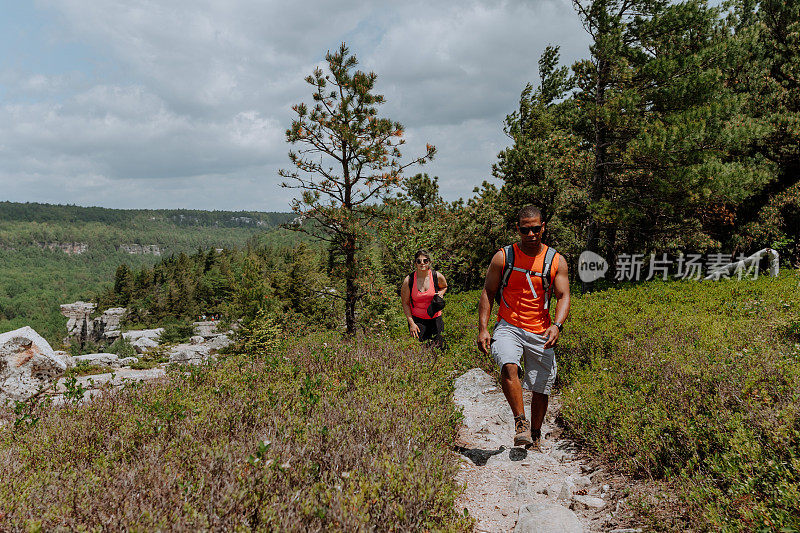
135	334
27	364
142	344
191	354
219	342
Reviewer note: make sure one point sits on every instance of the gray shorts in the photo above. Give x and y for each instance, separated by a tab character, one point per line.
510	344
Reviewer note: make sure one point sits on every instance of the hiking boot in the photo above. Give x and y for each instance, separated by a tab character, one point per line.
536	442
523	428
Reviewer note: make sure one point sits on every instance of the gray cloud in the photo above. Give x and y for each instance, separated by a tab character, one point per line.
188	105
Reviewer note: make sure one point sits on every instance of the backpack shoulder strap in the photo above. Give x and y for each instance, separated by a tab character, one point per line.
547	267
435	280
411	288
508	251
547	275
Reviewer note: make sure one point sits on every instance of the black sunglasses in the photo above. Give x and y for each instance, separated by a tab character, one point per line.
528	229
423	261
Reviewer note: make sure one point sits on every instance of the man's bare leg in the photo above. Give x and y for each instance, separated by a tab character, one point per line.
538	409
512	388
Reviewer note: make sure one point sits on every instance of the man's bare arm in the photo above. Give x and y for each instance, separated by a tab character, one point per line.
490	286
561	292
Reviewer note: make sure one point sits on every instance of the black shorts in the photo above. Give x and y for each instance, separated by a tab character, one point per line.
430	329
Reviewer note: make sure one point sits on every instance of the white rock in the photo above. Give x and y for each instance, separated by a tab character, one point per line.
547	518
205	328
580	481
197	339
518	487
588	502
566	491
134	334
67	358
189	354
142	344
27	364
107	359
128	361
219	342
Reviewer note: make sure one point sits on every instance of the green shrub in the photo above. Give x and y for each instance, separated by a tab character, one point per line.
696	384
176	332
326	435
122	347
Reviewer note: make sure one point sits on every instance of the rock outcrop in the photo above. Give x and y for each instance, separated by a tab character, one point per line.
69	248
205	328
28	364
81	327
196	353
79	322
136	334
102	359
107	325
140	249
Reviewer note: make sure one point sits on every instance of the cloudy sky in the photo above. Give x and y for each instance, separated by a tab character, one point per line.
184	104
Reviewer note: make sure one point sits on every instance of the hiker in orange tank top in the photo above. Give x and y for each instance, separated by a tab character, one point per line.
521	278
416	293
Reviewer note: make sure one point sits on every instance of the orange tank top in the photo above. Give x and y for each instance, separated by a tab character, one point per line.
524	309
421	300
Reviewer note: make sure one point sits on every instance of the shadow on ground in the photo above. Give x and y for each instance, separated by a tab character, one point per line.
479	456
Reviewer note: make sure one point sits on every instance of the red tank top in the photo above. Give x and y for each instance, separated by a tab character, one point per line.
421	300
526	310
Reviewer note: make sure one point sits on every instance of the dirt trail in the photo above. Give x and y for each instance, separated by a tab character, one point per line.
550	491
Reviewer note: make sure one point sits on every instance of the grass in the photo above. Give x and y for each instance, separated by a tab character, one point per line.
312	434
693	389
696	386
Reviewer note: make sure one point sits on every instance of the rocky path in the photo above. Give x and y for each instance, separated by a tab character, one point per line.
513	489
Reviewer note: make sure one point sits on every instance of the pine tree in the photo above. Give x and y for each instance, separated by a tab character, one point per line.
348	161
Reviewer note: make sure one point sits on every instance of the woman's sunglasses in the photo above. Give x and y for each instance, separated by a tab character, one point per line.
423	261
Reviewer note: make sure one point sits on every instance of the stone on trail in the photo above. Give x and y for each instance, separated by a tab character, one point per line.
518	487
28	364
588	502
197	339
547	518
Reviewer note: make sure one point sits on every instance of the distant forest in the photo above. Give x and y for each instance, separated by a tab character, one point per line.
54	254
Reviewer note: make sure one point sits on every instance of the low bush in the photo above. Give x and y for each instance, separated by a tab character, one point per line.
176	332
696	384
325	435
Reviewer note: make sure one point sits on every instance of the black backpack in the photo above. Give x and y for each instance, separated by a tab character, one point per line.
545	274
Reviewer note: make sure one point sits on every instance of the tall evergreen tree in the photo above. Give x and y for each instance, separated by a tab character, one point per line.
349	159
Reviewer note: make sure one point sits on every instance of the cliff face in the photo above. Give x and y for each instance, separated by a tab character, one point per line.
81	327
139	249
69	248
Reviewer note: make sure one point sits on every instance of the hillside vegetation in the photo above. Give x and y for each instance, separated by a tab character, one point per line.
691	388
695	384
36	275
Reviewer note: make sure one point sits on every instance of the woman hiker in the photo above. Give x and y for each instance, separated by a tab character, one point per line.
417	292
